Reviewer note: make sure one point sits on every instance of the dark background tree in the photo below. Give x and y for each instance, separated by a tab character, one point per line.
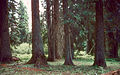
113	8
99	40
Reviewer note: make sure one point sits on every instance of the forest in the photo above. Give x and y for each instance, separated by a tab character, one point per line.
66	37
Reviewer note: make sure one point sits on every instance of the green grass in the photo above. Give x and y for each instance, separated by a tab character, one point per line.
82	65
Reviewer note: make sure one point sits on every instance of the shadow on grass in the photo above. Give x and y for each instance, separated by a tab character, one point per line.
82	69
113	59
82	66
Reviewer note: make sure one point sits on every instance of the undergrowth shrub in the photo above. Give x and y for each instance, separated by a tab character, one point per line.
23	48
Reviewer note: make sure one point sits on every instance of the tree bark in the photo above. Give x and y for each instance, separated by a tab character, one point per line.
5	52
51	50
58	54
116	55
38	57
99	46
113	44
68	54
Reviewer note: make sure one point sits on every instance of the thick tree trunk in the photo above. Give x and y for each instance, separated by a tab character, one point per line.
60	41
56	20
51	50
72	37
99	46
5	52
56	23
68	54
58	33
38	57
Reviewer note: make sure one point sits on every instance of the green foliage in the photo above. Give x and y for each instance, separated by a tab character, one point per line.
23	48
13	22
82	55
46	49
18	22
22	22
81	15
23	57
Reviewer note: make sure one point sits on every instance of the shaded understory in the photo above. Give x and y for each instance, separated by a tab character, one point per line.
82	66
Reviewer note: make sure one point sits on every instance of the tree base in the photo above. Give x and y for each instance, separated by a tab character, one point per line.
68	63
51	59
6	60
100	64
41	62
38	61
32	60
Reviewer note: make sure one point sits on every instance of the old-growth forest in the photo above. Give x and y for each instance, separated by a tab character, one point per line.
63	37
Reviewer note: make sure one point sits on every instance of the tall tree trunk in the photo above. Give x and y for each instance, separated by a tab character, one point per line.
51	50
56	18
117	38
99	46
113	44
38	57
68	55
5	52
117	43
71	9
58	31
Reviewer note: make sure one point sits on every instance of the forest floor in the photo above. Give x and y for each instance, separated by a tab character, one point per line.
83	66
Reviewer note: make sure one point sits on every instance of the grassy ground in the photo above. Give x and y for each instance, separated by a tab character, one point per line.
82	67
